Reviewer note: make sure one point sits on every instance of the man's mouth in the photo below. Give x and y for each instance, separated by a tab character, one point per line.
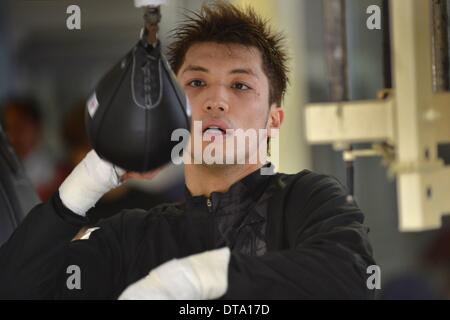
213	130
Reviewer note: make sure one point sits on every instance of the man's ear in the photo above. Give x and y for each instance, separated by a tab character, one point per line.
276	117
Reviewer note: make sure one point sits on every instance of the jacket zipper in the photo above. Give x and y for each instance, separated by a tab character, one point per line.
211	220
209	204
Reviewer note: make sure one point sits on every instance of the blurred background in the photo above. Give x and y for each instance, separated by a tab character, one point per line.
47	72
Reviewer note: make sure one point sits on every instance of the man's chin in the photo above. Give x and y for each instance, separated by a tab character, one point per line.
221	162
217	166
215	156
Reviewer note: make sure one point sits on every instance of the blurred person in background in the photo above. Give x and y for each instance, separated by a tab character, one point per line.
23	124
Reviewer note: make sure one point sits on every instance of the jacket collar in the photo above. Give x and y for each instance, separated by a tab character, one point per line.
250	187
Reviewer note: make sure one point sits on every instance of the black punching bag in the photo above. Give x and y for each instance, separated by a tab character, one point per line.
134	110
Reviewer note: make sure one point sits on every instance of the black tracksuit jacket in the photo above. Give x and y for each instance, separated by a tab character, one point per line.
292	236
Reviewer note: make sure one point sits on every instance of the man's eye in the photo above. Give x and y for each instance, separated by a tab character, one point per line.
240	86
196	83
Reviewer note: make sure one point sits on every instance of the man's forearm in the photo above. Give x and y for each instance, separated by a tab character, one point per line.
31	260
31	256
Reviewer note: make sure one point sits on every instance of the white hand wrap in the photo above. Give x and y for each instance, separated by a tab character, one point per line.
88	182
197	277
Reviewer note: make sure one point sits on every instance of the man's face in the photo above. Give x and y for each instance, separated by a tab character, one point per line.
226	87
23	133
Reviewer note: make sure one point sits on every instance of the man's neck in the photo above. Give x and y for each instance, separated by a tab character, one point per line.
204	179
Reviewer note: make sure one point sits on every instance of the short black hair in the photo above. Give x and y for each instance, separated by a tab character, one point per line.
28	105
224	23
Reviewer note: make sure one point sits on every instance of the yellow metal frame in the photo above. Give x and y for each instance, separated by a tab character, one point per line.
413	119
357	121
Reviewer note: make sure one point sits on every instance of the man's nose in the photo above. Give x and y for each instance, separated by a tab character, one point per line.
216	102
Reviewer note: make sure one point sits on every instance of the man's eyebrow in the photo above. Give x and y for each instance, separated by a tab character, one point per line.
244	71
248	71
195	68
